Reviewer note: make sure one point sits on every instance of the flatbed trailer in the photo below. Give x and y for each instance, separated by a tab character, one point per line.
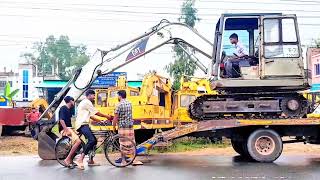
257	139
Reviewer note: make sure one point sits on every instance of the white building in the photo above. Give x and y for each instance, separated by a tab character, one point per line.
25	79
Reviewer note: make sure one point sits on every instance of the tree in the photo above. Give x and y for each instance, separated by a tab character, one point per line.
57	56
317	42
183	65
8	94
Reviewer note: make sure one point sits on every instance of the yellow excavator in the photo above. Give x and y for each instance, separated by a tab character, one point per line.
151	103
42	104
155	105
188	92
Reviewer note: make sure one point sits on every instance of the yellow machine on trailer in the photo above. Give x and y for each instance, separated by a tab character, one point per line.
155	105
151	103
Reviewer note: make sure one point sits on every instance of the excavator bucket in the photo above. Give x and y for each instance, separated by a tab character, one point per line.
46	139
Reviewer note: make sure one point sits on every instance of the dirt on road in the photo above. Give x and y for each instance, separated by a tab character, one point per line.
18	145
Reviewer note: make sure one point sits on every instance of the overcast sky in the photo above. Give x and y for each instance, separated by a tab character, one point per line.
104	24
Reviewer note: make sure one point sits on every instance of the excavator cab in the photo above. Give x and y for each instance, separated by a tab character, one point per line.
274	56
268	83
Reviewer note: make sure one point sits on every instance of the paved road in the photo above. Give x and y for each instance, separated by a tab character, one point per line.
164	167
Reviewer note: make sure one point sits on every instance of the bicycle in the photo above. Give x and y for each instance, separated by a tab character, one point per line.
112	149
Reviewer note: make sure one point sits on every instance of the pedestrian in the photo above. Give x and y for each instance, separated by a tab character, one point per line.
33	116
65	128
86	112
123	118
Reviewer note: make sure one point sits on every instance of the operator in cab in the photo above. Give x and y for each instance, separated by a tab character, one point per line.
231	65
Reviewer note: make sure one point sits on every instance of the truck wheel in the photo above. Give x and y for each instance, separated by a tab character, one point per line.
238	147
264	145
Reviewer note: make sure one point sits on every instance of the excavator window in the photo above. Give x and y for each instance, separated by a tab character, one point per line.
134	93
280	38
102	99
186	100
247	30
113	94
162	100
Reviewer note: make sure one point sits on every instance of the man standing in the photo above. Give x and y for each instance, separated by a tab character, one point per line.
33	116
123	117
240	54
85	112
65	127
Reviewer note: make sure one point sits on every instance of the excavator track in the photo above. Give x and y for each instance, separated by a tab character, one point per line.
267	105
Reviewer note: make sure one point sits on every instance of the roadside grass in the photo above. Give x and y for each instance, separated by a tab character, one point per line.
190	144
185	144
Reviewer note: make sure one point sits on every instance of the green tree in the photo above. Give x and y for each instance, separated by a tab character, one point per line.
8	94
182	64
57	56
317	43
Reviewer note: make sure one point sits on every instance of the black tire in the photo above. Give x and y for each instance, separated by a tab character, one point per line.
63	147
113	146
264	145
238	147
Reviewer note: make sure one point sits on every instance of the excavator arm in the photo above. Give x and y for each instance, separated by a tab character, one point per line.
107	61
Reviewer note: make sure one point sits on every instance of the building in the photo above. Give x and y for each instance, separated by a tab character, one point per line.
25	79
313	57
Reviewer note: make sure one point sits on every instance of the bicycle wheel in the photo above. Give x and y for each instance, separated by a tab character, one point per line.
63	147
120	155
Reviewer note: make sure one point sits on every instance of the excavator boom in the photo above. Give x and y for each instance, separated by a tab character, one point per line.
104	62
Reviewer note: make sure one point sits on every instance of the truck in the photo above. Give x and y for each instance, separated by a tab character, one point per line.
254	110
15	118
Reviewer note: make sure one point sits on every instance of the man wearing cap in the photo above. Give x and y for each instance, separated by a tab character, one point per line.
65	127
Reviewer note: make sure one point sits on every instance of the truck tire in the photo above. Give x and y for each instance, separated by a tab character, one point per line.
238	147
264	145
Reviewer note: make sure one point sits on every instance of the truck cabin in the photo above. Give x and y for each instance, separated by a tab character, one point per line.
280	42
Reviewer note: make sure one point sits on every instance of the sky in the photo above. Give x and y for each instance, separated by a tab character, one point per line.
105	24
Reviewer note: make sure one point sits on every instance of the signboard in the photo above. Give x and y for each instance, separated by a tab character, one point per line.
3	101
108	80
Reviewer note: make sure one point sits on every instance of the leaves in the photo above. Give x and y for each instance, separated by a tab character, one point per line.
57	56
7	92
12	94
183	65
7	89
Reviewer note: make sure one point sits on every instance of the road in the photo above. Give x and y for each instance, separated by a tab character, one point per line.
165	167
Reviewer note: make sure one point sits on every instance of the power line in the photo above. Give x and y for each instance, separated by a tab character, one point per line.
133	20
108	11
286	2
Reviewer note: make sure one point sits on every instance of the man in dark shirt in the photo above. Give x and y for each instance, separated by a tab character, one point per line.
65	127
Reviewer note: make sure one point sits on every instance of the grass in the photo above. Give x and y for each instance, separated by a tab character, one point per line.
190	144
185	144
